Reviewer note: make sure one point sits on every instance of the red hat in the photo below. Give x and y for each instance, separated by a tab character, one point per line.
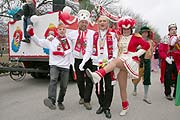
126	22
52	28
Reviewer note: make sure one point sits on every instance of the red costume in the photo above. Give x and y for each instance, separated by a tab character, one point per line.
166	50
169	59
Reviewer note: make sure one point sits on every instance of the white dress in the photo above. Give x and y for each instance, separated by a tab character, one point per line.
131	65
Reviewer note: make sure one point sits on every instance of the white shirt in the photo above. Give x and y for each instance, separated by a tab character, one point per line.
60	61
100	57
73	35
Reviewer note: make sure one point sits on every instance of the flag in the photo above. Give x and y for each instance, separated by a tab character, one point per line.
177	100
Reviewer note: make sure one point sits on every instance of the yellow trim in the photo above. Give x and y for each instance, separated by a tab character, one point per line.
137	35
178	46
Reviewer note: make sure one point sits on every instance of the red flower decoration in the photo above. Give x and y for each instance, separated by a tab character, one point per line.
126	22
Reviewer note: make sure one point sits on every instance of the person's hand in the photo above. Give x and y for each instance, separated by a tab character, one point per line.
30	30
50	37
81	67
168	60
110	60
172	59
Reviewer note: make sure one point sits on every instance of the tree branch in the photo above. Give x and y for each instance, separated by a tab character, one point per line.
5	16
43	2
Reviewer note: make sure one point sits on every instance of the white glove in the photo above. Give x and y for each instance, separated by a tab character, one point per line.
22	17
113	82
50	37
168	60
110	60
139	53
81	67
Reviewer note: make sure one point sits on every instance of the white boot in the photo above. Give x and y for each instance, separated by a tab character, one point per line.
124	112
93	76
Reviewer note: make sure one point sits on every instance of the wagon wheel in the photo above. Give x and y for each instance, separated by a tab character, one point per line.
39	75
17	75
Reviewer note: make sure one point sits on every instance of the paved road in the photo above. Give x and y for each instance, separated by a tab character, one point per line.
24	101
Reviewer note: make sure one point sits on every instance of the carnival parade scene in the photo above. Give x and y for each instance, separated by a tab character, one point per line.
89	60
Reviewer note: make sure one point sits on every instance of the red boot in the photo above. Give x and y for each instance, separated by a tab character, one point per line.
125	106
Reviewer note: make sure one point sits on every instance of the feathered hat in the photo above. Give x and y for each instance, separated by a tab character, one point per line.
172	26
126	22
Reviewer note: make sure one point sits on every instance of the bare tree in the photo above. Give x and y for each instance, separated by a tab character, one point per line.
45	6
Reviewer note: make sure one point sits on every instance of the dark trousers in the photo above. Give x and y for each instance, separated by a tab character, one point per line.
27	21
170	70
55	73
147	72
84	83
104	95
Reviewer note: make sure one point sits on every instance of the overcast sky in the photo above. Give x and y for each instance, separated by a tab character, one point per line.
159	13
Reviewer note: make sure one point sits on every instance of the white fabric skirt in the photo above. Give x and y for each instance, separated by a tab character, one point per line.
131	65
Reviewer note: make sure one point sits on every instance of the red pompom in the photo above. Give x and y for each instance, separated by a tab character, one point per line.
126	22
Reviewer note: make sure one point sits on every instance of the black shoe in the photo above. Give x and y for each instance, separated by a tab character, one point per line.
100	110
174	94
61	106
81	101
49	103
87	105
107	113
168	97
26	40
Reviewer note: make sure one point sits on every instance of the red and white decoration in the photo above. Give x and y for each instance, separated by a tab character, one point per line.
126	22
